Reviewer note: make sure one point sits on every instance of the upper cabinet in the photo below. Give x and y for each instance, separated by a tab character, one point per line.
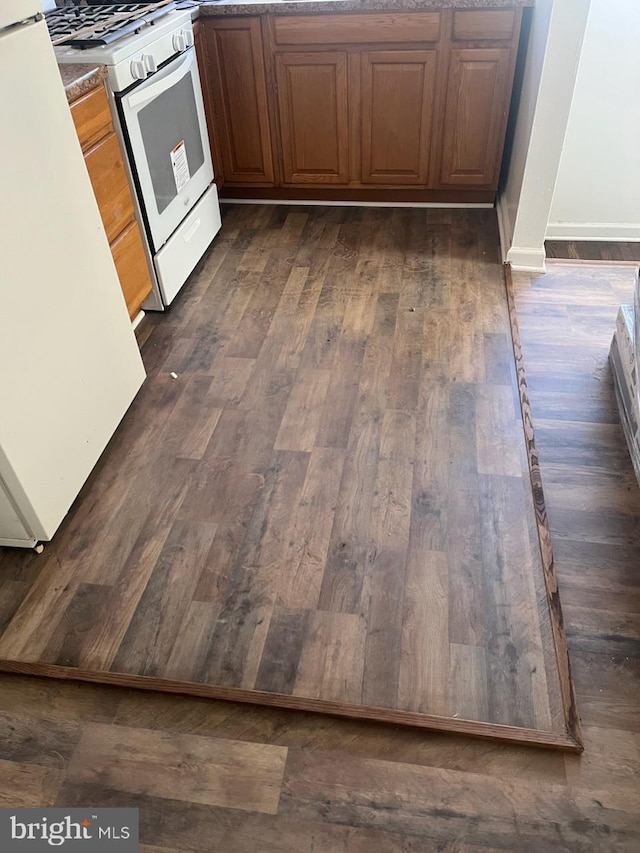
339	105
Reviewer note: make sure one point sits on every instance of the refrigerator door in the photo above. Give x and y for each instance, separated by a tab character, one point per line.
14	531
69	361
12	11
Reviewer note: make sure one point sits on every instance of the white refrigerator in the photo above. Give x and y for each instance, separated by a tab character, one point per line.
69	362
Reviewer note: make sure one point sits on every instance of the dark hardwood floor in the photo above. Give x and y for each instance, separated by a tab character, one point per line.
596	250
321	497
211	775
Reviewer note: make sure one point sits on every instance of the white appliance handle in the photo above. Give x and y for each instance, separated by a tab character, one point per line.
160	82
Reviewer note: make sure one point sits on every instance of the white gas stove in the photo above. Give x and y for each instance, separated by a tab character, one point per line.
131	49
158	112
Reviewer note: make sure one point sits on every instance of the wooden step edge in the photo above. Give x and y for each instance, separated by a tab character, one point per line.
561	646
447	725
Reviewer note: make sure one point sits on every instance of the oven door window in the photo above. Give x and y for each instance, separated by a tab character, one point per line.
180	136
164	118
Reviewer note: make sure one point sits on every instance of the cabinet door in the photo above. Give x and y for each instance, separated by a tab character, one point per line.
477	105
240	99
131	265
398	89
92	117
314	117
110	185
204	68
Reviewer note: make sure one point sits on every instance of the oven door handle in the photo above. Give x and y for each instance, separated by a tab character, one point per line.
160	83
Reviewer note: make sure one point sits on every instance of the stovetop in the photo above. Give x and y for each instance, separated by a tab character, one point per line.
94	26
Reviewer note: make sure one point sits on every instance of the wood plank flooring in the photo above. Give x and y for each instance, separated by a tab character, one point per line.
593	250
329	508
349	785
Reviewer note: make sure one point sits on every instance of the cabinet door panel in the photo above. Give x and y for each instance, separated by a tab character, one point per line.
204	68
91	117
131	266
314	116
398	89
475	116
240	100
110	185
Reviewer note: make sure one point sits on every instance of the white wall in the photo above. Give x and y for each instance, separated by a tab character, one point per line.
597	194
509	197
550	71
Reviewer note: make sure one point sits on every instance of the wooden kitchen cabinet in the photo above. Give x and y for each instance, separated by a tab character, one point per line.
358	28
475	117
237	78
314	117
131	265
390	94
405	105
92	118
110	185
397	95
204	64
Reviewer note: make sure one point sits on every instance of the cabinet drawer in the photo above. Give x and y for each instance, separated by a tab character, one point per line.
492	25
92	117
110	185
131	266
357	29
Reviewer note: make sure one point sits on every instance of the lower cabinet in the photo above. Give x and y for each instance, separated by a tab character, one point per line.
413	101
110	185
313	107
397	96
103	158
240	108
131	265
478	89
202	57
394	91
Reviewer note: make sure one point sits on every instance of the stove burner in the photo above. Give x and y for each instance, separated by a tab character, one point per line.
94	26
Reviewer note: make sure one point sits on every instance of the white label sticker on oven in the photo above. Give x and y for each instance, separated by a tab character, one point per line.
180	166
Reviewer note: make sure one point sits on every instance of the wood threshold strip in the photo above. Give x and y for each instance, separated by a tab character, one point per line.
581	262
567	689
431	722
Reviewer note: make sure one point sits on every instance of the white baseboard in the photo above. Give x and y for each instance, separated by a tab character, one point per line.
137	320
504	227
313	202
526	259
610	232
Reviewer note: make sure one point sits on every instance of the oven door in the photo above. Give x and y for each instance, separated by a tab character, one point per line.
167	132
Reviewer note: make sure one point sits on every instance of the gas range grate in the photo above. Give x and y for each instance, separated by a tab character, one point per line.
94	26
